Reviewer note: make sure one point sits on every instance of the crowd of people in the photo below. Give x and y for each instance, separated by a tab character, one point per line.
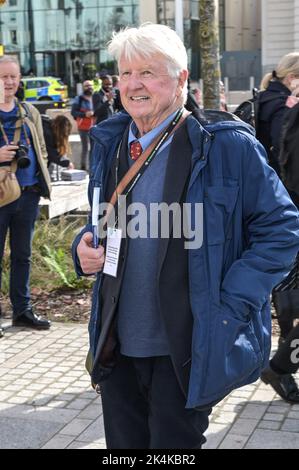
175	325
92	107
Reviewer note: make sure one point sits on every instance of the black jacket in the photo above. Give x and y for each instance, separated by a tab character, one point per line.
270	118
101	107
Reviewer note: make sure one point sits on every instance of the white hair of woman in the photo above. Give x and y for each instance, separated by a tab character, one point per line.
147	40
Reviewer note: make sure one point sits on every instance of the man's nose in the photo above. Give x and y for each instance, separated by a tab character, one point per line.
135	81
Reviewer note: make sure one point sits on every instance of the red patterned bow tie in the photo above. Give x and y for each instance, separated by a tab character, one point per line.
135	150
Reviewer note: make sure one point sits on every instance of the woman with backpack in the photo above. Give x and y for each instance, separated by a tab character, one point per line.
278	96
274	102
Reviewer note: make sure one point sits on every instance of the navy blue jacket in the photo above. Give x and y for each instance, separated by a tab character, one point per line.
250	240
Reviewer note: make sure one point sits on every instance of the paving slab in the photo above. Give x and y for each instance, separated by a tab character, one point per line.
46	400
16	433
266	439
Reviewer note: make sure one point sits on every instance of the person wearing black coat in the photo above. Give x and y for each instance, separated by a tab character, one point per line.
104	102
272	109
274	104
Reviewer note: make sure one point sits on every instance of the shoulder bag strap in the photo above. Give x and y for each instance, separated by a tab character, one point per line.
16	138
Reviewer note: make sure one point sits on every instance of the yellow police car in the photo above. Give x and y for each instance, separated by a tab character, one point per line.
44	89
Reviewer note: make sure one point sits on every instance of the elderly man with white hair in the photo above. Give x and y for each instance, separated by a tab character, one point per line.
180	317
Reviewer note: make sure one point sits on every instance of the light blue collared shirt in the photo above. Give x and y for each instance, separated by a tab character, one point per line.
148	138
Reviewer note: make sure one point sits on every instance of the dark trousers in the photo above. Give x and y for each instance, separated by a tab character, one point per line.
144	407
86	149
19	218
286	322
286	359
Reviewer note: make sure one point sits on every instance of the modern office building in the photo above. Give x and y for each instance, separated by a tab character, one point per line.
68	38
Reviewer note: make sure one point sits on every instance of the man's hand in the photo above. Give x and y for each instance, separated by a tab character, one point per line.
110	96
89	113
7	153
91	259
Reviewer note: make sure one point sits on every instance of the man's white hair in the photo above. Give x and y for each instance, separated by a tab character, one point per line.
147	40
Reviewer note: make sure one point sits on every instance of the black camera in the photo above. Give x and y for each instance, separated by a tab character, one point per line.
23	161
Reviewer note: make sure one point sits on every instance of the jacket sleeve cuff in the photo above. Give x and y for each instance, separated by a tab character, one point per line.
75	257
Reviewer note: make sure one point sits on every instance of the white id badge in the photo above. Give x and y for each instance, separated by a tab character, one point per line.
112	251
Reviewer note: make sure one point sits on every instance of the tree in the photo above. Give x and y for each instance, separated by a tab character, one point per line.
209	49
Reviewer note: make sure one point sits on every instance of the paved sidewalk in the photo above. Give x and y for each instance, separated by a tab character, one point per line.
46	400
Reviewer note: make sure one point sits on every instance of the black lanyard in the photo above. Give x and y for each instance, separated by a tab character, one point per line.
151	156
20	119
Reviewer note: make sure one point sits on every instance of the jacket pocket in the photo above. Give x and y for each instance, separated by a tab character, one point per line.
233	353
219	204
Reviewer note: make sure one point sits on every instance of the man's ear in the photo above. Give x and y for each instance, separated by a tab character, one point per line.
183	77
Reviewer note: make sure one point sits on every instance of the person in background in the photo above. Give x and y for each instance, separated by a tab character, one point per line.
20	94
277	87
83	112
56	133
177	327
117	101
198	96
19	216
279	93
282	366
104	105
223	104
97	83
191	103
115	81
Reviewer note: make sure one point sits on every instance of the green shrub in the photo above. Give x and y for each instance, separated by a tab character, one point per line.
52	265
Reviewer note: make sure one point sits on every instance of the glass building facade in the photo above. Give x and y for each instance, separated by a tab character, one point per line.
166	15
68	38
65	38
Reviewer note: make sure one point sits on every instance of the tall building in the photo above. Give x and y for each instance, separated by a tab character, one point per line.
68	38
280	25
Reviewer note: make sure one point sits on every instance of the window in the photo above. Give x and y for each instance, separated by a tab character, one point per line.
13	36
31	84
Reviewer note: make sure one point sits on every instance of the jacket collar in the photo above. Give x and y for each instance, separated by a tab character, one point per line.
108	133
